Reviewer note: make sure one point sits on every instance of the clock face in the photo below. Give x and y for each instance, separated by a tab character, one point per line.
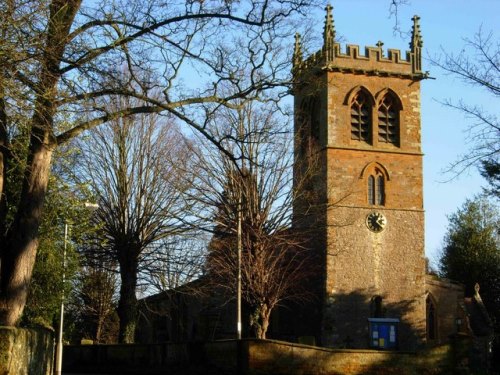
376	222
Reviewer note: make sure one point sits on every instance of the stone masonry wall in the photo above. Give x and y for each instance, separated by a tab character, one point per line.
446	296
26	351
258	357
362	264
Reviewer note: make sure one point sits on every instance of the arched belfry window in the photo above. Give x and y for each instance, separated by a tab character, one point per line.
309	120
388	119
376	188
361	109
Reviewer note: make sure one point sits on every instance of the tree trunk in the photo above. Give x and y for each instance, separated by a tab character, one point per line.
20	245
4	151
260	320
98	331
127	306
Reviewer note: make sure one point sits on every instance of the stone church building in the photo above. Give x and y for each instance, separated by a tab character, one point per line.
357	117
358	124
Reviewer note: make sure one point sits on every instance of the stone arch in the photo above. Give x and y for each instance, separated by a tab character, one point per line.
360	111
310	108
350	95
376	177
388	117
370	167
385	92
309	122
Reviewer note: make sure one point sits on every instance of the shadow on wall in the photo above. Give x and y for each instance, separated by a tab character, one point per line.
204	317
284	358
252	356
364	319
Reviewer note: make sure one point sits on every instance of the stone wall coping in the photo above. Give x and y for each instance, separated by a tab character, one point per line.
330	350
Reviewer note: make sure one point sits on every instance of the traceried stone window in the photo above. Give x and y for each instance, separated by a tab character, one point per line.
388	120
376	189
361	107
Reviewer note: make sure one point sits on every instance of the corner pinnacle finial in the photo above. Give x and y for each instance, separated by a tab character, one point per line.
297	52
416	37
329	32
416	46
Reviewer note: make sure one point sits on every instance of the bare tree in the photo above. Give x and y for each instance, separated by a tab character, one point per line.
129	165
176	261
95	300
58	60
477	65
256	184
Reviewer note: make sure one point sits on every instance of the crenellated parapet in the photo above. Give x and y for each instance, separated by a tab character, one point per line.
373	60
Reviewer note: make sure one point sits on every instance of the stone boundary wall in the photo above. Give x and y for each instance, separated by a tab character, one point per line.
257	357
26	351
123	358
284	358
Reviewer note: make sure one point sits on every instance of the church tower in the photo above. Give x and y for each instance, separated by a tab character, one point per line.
357	126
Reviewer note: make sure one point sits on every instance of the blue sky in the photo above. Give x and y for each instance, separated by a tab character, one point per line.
444	23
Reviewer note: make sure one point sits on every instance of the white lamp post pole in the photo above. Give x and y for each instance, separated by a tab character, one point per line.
238	293
59	352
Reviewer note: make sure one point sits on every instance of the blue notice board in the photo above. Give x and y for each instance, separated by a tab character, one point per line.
383	333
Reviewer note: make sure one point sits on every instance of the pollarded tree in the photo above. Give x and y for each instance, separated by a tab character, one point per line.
130	166
58	64
471	251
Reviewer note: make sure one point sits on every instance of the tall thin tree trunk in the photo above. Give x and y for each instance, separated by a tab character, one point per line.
127	306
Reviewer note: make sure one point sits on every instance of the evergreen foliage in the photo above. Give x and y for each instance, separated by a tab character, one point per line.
471	252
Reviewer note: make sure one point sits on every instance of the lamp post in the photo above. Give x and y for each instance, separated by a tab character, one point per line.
59	350
238	292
